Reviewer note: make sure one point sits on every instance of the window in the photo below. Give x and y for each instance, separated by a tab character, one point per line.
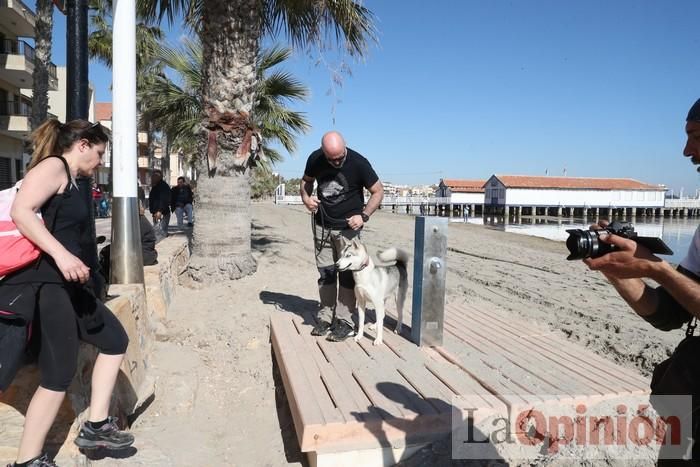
5	173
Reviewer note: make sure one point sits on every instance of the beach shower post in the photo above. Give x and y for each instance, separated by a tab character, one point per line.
429	271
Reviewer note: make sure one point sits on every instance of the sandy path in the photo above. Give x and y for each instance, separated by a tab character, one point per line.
219	402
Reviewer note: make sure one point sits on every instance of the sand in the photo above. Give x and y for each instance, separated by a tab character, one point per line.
219	399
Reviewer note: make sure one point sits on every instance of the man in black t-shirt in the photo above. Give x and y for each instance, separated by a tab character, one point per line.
341	175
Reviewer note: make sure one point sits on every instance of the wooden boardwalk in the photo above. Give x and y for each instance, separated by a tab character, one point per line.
353	396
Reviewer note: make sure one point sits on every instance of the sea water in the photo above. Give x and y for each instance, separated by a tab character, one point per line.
677	233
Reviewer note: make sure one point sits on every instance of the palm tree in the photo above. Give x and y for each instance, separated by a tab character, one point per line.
43	28
231	32
176	106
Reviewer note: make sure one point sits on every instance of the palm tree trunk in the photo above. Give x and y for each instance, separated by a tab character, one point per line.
230	38
40	76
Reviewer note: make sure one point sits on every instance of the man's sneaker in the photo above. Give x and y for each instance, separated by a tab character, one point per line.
42	461
340	332
108	436
321	328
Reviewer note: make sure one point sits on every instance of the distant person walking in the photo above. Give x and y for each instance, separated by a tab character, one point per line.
159	201
96	198
339	214
181	202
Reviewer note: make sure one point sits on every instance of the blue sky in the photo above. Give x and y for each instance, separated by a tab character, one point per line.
466	89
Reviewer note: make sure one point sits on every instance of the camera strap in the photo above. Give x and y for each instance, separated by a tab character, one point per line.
692	324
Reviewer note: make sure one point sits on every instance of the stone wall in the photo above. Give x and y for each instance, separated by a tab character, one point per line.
141	310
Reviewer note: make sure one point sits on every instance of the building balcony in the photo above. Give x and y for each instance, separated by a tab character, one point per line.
15	119
16	18
17	64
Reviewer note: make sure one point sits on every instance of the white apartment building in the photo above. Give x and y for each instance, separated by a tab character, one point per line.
16	68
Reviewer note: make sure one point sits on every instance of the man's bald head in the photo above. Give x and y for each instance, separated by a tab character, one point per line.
333	147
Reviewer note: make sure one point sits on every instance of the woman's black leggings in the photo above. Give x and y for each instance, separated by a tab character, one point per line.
61	333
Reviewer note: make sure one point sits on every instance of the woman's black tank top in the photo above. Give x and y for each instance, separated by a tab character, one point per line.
70	220
66	216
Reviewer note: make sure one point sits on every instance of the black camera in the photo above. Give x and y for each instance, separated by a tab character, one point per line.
587	244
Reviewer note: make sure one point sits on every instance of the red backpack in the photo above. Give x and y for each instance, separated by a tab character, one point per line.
16	251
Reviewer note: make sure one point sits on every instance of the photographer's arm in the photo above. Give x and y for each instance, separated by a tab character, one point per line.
684	290
625	267
639	296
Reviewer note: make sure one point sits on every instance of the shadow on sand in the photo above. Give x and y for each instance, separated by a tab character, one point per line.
291	304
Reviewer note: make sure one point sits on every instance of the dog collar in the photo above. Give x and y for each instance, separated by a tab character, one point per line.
364	264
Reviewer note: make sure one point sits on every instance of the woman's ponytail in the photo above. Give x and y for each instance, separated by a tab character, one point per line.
53	138
45	141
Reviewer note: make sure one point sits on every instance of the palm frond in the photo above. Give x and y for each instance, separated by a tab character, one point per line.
345	22
172	101
157	10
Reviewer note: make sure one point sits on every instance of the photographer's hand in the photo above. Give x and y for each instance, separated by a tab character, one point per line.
629	260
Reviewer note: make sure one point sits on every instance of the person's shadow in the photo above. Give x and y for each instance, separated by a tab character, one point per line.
440	450
291	304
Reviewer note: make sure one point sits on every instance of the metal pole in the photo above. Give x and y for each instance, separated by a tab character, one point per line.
78	103
429	271
77	99
126	256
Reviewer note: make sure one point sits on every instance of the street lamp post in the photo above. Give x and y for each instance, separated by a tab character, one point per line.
78	101
126	255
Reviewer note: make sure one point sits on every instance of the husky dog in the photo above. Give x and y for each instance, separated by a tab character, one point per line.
375	283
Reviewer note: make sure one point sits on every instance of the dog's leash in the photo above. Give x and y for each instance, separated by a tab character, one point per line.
325	233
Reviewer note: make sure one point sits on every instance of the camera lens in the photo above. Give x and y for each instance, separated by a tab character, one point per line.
581	244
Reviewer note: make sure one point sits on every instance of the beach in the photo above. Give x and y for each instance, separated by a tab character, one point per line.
220	400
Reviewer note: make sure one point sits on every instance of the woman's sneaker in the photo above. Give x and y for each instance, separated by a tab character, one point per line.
108	436
42	461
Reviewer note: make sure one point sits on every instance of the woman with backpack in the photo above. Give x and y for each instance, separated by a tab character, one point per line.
67	311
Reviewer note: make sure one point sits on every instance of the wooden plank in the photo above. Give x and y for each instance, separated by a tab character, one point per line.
553	370
457	353
568	370
566	376
516	326
461	382
349	405
413	371
506	322
628	375
385	371
603	384
516	379
305	410
334	354
623	380
353	366
452	380
605	372
546	382
314	383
